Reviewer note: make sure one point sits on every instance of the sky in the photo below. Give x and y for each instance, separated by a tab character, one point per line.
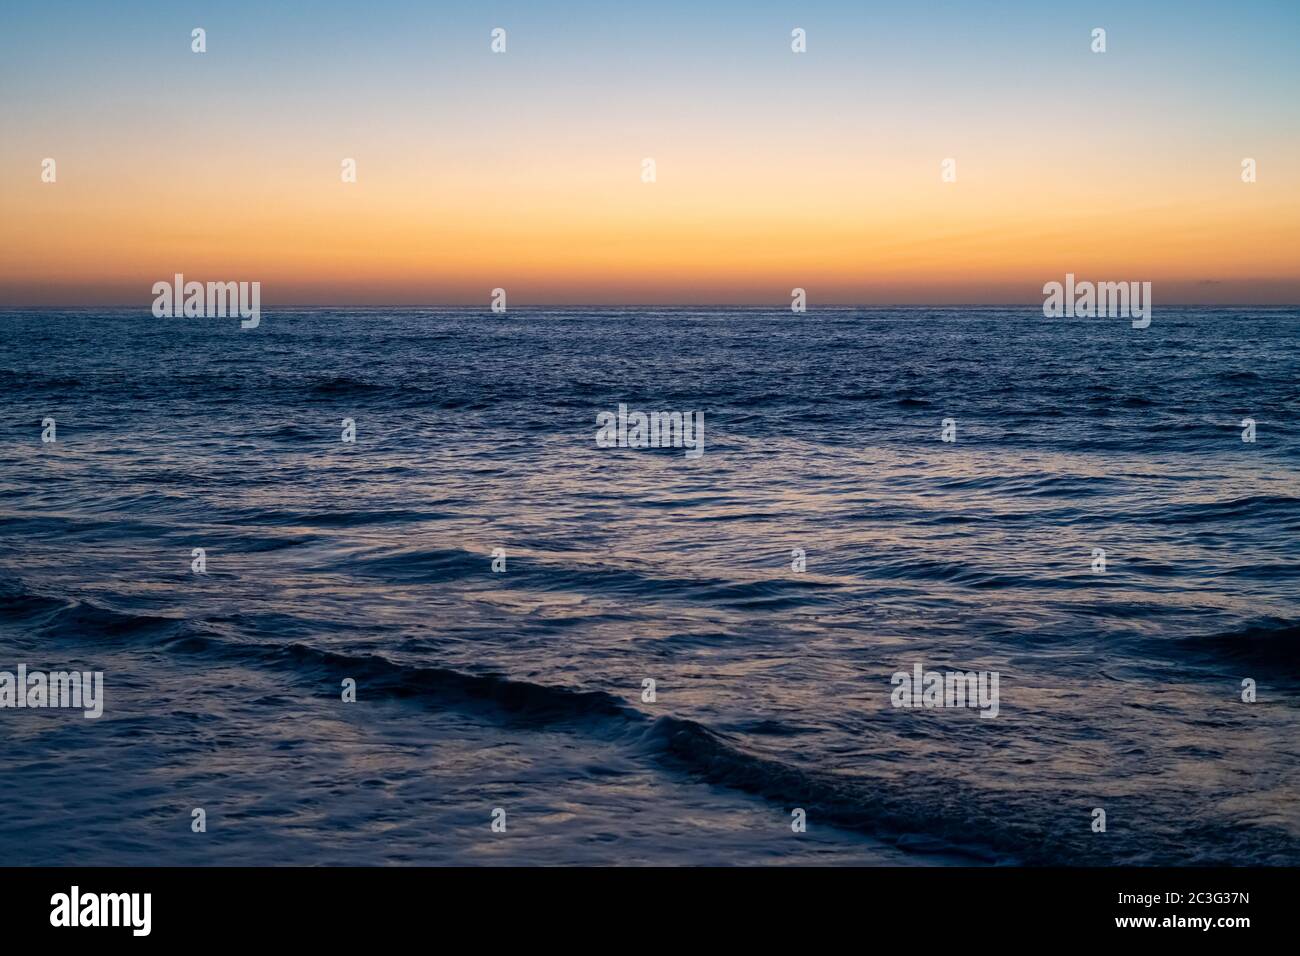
523	170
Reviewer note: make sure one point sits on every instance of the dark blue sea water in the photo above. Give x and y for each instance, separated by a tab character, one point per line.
522	690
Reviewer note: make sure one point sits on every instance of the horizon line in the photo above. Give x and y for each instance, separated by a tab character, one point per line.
650	305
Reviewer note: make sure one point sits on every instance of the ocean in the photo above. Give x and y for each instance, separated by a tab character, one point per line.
506	716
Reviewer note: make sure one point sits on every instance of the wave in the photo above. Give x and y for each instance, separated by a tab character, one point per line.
18	605
278	517
342	385
441	565
36	619
1251	506
1269	642
921	811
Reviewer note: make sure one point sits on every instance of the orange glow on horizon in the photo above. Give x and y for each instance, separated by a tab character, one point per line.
719	225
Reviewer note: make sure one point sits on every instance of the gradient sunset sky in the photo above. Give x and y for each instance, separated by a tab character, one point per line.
775	170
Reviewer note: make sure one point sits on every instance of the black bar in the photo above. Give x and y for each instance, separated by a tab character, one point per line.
635	907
